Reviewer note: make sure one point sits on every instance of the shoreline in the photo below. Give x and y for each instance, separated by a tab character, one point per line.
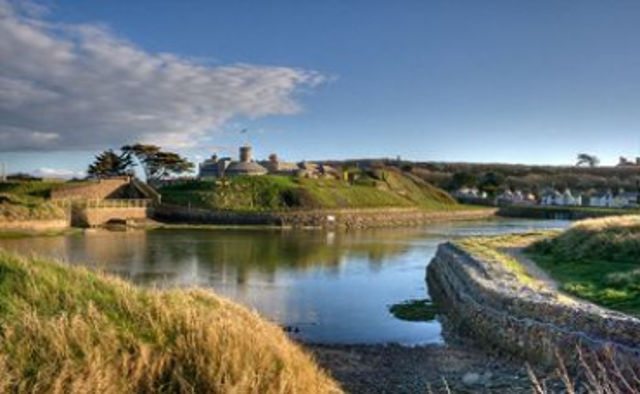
329	218
172	217
386	368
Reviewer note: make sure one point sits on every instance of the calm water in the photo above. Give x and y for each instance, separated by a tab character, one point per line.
336	287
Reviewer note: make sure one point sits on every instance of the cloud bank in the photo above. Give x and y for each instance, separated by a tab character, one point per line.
66	86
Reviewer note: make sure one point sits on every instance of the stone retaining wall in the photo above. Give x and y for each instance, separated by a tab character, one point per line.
487	303
94	217
560	213
351	218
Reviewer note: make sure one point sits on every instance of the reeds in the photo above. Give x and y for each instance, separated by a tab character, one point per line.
590	372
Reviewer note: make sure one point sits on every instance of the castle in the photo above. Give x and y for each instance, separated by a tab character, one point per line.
215	167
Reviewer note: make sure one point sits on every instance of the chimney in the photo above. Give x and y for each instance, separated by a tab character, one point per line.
245	154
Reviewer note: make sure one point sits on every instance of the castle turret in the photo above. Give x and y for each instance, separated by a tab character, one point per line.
246	154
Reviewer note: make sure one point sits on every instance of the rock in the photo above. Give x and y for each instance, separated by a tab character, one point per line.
471	379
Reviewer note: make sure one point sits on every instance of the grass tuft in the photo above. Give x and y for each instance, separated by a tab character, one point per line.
65	329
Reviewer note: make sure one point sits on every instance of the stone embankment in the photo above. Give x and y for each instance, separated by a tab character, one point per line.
347	218
487	302
560	213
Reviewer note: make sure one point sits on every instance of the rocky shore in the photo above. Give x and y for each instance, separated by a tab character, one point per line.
456	368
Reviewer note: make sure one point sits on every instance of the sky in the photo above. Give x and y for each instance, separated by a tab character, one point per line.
491	81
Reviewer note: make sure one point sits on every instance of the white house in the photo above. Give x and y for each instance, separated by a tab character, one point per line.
466	192
626	200
565	199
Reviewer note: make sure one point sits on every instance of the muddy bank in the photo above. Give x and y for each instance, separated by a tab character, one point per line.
398	369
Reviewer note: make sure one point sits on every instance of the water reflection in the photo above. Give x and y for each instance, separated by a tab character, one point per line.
335	286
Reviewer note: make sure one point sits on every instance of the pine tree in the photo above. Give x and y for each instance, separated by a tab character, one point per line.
108	164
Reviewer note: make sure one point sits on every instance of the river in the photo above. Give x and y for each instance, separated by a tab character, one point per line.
330	287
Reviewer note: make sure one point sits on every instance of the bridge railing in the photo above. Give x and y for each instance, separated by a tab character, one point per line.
106	203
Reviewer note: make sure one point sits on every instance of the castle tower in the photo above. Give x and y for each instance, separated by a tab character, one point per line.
246	154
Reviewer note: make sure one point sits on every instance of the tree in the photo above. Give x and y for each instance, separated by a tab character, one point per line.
588	160
463	179
491	182
108	164
156	163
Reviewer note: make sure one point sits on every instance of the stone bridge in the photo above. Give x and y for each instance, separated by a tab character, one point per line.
99	213
117	199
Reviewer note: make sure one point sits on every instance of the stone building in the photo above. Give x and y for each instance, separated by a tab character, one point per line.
218	168
276	166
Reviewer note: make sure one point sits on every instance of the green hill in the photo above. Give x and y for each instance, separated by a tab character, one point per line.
381	188
596	259
65	329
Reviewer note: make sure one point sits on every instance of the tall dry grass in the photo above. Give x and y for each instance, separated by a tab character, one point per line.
68	330
589	372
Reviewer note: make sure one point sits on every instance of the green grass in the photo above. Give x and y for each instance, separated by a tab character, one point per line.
490	249
272	193
33	189
598	260
27	200
65	329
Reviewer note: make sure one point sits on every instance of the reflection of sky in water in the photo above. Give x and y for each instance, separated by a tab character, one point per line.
335	287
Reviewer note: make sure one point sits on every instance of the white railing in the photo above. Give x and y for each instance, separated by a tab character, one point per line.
106	203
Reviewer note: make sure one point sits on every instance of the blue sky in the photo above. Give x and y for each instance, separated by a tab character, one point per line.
492	81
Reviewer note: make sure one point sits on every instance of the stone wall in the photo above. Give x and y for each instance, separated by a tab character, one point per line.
352	218
94	217
487	303
559	213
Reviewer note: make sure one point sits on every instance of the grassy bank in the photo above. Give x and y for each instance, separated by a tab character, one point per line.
598	260
271	193
492	251
70	330
27	201
20	208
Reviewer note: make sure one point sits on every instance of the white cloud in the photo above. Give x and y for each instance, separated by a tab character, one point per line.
68	86
46	172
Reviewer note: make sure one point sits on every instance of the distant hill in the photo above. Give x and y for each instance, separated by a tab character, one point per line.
382	187
499	176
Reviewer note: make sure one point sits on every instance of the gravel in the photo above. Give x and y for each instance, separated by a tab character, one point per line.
423	369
